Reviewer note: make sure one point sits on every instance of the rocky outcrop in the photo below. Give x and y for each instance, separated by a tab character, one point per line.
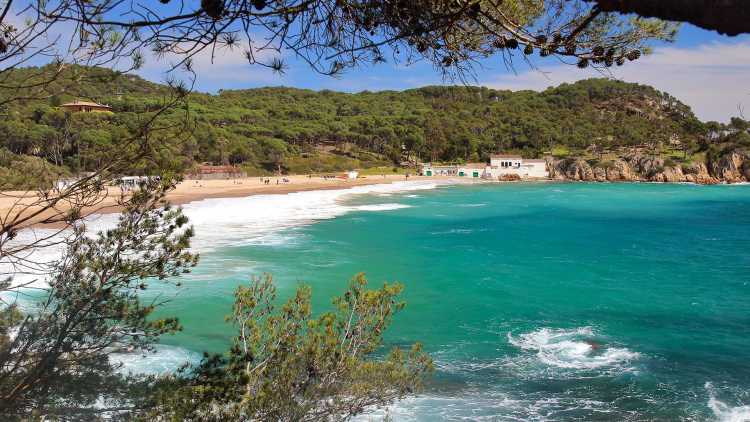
509	178
646	166
668	174
571	169
600	174
731	167
698	173
620	170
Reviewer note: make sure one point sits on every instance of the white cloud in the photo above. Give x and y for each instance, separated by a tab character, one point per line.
712	78
222	68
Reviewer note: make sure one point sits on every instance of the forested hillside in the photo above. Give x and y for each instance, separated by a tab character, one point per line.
297	130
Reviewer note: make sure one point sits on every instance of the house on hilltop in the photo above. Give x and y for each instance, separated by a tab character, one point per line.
86	107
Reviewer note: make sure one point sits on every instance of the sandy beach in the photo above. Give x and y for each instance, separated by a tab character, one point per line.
11	203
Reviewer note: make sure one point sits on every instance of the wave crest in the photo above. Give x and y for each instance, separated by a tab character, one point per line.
162	360
722	411
572	349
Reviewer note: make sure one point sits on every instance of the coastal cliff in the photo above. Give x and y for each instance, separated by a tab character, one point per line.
731	167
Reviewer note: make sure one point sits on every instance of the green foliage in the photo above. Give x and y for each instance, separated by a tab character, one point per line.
27	172
739	124
300	131
731	142
560	151
320	162
57	363
287	365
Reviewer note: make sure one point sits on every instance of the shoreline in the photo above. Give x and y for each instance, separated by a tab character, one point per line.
197	190
189	191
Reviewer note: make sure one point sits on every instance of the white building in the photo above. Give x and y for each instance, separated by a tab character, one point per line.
499	166
504	165
475	170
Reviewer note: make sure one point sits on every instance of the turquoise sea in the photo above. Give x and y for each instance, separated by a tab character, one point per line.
537	301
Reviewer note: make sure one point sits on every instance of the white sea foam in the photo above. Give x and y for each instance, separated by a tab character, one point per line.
30	268
162	360
722	411
381	207
572	349
454	231
259	219
253	220
243	221
473	405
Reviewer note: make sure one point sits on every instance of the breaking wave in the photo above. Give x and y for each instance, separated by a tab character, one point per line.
257	219
572	349
381	207
490	406
163	359
722	411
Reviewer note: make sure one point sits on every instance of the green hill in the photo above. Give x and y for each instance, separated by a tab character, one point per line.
307	131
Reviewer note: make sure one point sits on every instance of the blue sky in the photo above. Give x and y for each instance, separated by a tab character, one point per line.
708	71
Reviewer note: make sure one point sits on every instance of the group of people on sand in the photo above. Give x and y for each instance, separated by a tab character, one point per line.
267	180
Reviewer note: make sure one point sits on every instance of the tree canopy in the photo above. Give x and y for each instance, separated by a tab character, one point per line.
328	35
306	131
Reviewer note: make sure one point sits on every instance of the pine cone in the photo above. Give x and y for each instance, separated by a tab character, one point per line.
213	8
634	55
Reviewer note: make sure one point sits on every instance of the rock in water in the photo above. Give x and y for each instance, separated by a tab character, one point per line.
730	167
